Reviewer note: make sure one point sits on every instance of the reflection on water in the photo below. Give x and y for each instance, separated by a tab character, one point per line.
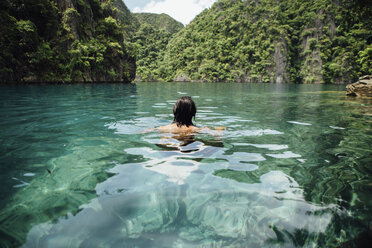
292	169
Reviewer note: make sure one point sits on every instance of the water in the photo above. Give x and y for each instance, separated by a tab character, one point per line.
292	169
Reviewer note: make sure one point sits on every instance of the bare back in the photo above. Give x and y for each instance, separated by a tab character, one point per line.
173	128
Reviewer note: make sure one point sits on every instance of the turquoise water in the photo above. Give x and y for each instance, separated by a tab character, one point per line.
78	168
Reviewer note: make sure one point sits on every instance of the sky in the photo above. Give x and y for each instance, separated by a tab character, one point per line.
181	10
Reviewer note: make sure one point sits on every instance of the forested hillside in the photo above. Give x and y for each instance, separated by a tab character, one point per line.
64	41
150	41
299	41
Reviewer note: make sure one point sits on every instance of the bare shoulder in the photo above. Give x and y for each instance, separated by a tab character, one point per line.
165	128
173	128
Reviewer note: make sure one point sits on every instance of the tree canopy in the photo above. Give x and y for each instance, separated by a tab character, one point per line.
298	41
63	41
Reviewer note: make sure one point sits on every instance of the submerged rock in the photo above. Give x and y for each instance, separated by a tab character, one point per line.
363	87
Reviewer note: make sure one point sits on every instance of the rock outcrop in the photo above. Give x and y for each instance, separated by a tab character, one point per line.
281	63
363	87
182	78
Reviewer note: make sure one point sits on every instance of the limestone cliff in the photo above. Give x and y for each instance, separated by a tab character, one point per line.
286	41
63	41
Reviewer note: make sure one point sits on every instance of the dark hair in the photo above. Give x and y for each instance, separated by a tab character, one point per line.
183	110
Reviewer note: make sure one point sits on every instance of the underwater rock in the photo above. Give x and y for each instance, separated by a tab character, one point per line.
363	87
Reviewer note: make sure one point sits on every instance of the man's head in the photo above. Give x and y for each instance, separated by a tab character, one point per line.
183	110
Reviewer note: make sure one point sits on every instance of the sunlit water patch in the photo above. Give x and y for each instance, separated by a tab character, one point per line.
82	167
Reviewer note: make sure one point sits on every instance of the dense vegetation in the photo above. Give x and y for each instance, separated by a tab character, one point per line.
63	40
150	41
301	41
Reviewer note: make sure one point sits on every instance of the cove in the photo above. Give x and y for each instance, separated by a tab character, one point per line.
292	168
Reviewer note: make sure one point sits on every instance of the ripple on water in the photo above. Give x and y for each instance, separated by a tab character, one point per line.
205	111
287	154
134	126
271	147
20	184
205	107
243	167
335	127
258	184
255	132
29	174
299	123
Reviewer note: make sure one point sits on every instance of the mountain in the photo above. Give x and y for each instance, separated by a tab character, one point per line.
64	41
159	21
150	41
298	41
128	22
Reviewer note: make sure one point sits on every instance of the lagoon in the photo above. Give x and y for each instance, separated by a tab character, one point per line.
292	169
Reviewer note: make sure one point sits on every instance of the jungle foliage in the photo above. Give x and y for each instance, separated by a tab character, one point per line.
149	43
300	41
63	41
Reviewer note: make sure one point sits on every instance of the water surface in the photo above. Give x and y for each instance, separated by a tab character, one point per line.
292	169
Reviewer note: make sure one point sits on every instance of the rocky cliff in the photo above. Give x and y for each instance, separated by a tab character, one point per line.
361	88
297	41
63	41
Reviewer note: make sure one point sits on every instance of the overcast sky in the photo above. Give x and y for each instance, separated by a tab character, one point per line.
181	10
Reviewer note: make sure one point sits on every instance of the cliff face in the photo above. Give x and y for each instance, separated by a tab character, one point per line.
63	41
127	20
298	41
281	63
